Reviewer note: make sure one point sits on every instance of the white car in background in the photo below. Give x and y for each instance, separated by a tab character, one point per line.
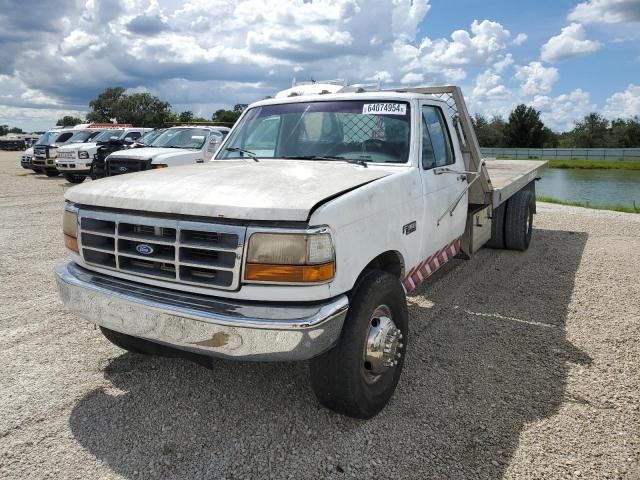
184	145
74	160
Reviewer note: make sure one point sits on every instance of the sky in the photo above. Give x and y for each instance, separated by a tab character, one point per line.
565	58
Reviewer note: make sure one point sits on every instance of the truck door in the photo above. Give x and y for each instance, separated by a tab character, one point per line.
442	224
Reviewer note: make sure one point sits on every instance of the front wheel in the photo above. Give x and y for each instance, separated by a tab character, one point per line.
358	376
73	178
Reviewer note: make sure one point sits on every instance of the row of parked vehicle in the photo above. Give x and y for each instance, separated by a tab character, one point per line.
99	150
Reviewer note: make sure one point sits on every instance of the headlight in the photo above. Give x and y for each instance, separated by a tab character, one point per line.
290	258
70	227
83	155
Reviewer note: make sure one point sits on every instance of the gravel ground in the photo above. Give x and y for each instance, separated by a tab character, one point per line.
521	365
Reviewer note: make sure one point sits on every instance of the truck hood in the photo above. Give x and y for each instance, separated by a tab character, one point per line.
237	189
155	154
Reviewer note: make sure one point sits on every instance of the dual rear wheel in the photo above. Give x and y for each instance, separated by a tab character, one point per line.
512	223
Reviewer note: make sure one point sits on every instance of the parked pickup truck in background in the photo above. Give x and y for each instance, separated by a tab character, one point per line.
176	146
26	160
300	240
45	151
74	160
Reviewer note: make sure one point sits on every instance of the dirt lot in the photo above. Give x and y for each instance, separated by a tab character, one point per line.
521	365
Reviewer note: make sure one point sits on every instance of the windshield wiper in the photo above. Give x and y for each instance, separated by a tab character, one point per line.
242	150
328	157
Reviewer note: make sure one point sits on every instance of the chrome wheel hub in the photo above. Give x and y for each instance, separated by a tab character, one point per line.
383	347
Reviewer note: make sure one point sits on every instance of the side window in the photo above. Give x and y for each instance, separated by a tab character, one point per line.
428	157
133	135
435	124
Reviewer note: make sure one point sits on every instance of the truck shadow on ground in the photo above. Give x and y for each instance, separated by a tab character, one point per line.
488	355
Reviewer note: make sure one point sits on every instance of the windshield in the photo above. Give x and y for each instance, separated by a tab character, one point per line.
358	130
181	138
108	135
48	138
82	136
149	137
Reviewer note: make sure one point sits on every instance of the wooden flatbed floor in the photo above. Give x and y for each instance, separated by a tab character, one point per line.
510	176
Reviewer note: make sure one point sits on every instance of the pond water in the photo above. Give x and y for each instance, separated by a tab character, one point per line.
598	187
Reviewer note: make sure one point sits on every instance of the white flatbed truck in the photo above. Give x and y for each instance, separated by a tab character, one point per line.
320	211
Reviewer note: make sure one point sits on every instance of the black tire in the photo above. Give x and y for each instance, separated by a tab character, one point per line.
518	222
129	343
72	178
339	377
51	173
497	228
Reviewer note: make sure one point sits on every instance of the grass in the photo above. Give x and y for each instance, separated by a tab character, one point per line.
615	208
619	164
596	164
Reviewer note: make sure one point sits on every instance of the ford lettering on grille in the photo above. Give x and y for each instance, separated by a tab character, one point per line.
190	252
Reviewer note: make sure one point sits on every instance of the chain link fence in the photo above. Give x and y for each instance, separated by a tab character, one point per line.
563	153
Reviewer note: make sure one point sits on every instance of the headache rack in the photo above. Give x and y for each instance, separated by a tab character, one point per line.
480	192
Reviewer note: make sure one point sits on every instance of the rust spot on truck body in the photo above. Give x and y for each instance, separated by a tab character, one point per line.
219	339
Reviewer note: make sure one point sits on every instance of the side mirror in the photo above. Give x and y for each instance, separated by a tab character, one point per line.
128	139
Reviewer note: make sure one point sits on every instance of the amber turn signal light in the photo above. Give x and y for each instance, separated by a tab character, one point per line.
290	273
71	243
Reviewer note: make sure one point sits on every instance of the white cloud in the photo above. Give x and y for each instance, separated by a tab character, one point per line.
476	48
412	78
606	11
623	104
560	113
520	39
536	79
489	85
381	76
569	43
503	63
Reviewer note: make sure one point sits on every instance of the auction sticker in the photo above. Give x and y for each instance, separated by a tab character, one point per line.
384	109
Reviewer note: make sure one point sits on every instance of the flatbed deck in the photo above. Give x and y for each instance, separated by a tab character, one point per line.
510	176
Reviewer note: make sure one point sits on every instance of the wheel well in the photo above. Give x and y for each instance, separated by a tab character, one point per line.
390	261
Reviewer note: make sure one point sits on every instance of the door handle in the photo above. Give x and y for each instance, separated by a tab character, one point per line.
462	178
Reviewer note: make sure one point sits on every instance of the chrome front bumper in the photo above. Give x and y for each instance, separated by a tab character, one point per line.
199	323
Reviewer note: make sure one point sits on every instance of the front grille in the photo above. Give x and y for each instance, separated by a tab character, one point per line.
194	253
118	166
40	151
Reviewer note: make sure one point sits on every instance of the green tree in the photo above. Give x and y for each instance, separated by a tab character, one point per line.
489	133
226	116
68	121
624	133
186	117
524	128
591	132
15	130
239	107
142	110
139	109
104	105
4	129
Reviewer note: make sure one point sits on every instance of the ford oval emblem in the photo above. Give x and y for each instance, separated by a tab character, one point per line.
123	169
144	249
